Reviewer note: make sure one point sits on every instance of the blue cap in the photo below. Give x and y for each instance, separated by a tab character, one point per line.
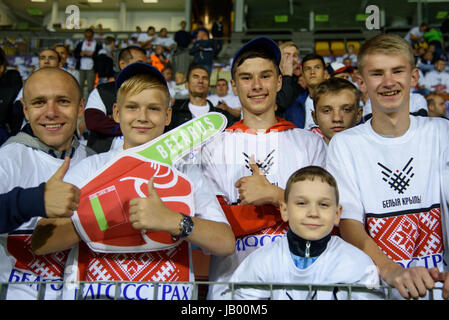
264	43
137	68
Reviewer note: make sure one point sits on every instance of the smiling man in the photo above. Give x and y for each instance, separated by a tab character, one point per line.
388	173
198	84
34	163
249	164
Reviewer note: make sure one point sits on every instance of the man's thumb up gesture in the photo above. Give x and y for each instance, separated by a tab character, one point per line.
61	198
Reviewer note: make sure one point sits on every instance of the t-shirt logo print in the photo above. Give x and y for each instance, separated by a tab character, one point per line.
264	165
399	180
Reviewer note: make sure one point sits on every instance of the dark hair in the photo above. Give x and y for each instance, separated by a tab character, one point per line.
309	173
51	49
254	53
335	85
313	56
194	67
109	40
222	79
3	59
125	53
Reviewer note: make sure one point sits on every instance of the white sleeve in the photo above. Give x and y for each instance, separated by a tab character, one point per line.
210	168
339	164
429	80
317	150
206	203
94	101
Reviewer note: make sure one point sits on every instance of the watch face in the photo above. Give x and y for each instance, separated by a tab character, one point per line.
187	226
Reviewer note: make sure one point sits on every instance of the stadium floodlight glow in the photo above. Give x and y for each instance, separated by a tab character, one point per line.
150	1
95	1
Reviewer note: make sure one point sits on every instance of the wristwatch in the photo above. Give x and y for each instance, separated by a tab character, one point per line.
185	227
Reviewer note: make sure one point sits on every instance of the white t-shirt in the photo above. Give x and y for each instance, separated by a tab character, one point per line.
174	264
22	166
435	80
414	31
166	42
87	63
94	101
198	111
278	153
339	263
144	37
231	100
309	123
392	185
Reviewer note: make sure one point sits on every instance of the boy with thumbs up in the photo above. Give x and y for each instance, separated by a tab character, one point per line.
143	111
39	155
250	163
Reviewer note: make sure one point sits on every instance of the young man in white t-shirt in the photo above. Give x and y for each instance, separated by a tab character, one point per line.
388	174
143	111
309	254
249	197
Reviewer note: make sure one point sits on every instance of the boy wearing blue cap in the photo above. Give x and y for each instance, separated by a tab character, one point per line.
247	164
142	109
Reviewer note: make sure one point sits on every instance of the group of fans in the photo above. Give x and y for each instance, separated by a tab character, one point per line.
327	173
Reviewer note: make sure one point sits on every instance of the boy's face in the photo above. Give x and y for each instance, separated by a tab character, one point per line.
336	112
387	80
314	72
142	117
311	210
256	82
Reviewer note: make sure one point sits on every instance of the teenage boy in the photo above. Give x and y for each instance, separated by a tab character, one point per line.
308	254
143	111
98	115
34	163
336	102
314	72
247	164
387	174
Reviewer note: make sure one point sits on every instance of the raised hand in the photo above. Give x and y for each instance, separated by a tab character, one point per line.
61	198
256	189
152	214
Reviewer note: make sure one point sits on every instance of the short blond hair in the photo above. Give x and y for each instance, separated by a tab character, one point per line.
388	44
139	83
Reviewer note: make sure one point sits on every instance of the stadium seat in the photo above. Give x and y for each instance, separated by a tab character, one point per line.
338	48
356	45
322	48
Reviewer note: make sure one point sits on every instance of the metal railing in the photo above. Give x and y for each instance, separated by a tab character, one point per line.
271	287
